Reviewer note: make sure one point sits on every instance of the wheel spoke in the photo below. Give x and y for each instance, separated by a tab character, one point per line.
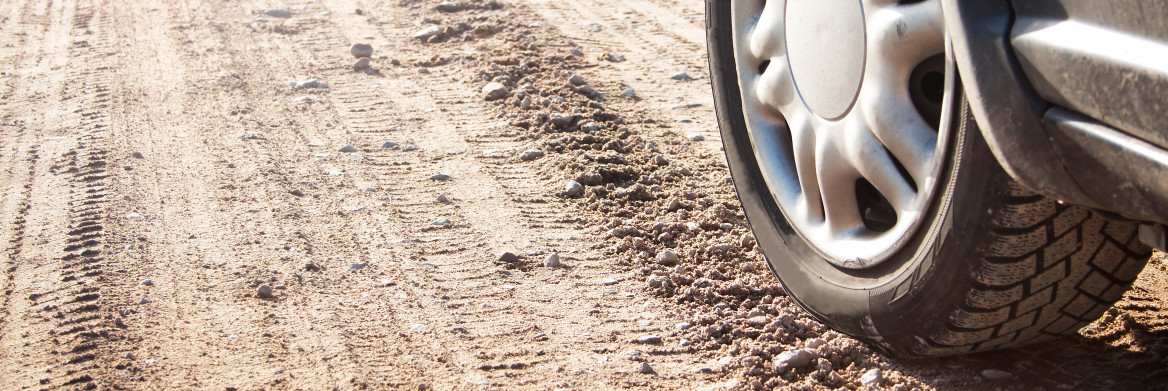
905	35
766	41
803	142
775	89
866	154
836	177
897	125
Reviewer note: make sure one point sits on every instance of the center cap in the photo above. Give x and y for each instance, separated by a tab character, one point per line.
825	47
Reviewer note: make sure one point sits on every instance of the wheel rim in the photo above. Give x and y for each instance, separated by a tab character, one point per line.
850	99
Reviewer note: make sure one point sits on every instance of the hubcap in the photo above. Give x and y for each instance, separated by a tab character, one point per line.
847	105
825	49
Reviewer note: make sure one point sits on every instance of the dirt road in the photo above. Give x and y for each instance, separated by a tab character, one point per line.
204	194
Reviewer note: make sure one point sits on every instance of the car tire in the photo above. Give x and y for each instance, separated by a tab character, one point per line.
991	265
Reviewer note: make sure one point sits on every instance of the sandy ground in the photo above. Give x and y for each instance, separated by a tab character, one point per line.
161	165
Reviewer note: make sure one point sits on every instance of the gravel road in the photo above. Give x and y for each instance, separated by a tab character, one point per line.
407	194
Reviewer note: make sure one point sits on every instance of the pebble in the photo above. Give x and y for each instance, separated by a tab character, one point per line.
310	83
147	282
440	177
361	50
311	267
427	32
362	64
658	281
348	149
587	90
573	189
696	137
590	127
793	359
144	301
681	76
576	53
683	326
443	199
389	144
609	281
358	266
530	154
133	216
411	148
553	260
577	80
996	374
614	58
136	155
648	340
629	93
495	91
127	167
264	292
508	257
814	343
667	258
872	377
441	221
278	13
447	6
647	369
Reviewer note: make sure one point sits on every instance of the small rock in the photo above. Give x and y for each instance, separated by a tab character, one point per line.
440	177
648	340
311	267
696	137
447	6
681	76
495	91
667	258
133	216
278	13
427	32
146	282
361	50
530	154
590	127
389	144
573	189
683	326
609	281
508	257
613	58
577	80
814	343
144	301
443	199
296	192
647	369
362	64
136	155
872	377
553	260
358	266
996	374
629	93
127	167
793	359
658	281
440	221
588	91
280	287
410	148
264	292
348	149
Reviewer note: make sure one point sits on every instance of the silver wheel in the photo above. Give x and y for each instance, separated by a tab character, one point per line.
847	104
